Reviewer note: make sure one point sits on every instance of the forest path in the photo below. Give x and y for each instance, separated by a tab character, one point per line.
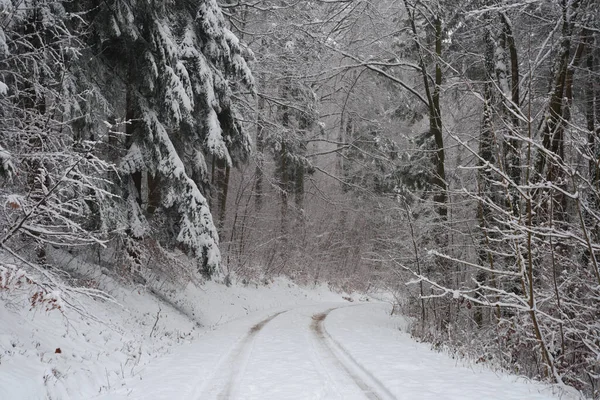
288	356
328	351
228	372
343	361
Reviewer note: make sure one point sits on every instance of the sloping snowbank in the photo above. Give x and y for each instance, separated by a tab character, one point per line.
61	355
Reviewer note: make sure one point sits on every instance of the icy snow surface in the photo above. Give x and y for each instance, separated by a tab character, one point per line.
324	351
275	341
95	357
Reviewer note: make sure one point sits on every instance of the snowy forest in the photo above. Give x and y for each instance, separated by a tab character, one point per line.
446	151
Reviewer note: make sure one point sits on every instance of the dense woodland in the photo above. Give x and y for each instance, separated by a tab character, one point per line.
448	151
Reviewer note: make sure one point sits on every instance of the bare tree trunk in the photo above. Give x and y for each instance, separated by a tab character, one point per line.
418	262
511	105
260	149
590	108
558	114
486	154
432	96
435	124
284	189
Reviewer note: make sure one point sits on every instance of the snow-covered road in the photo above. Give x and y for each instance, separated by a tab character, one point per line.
325	351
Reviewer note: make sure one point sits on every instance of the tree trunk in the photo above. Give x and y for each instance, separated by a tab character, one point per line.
130	131
590	109
435	124
260	149
284	189
223	191
486	141
558	114
154	193
511	145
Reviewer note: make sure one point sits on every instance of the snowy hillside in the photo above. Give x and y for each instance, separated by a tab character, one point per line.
61	355
272	340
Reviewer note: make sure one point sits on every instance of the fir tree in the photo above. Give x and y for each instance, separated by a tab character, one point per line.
177	65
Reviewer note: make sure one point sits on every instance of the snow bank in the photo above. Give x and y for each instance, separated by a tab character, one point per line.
61	355
411	370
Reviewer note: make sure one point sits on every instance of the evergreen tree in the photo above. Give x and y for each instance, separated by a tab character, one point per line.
177	66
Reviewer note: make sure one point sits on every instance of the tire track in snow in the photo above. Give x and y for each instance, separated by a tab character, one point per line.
321	364
372	388
231	369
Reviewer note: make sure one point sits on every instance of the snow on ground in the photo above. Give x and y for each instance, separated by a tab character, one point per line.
60	355
322	351
242	359
272	340
410	370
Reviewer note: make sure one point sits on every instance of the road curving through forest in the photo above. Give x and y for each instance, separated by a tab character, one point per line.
327	351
